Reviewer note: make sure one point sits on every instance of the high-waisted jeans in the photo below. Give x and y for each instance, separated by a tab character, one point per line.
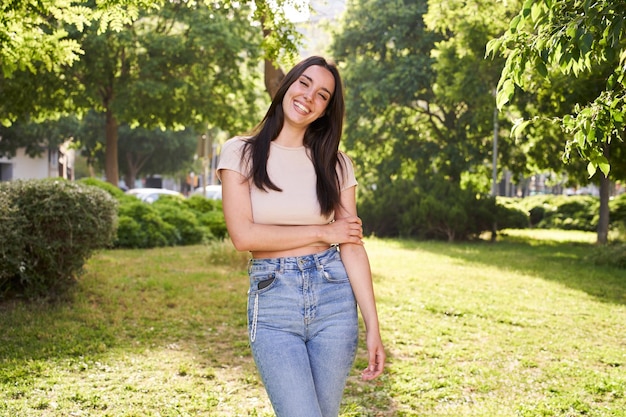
303	328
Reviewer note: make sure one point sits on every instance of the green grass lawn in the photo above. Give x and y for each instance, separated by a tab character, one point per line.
525	326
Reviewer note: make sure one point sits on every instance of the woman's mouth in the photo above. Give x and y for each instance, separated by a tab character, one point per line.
301	107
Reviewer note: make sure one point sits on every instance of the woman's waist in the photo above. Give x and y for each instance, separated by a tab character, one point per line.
290	253
301	258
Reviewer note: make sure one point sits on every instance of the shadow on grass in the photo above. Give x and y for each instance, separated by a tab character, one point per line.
567	263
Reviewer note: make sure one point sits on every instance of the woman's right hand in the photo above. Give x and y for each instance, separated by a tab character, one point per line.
345	230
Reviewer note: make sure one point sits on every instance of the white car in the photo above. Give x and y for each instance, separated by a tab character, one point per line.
150	195
213	192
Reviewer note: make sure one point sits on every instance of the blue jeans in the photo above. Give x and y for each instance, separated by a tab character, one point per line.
303	328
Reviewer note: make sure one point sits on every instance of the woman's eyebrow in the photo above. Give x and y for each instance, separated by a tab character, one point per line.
311	80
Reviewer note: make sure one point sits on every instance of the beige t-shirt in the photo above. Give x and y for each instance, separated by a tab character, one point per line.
291	170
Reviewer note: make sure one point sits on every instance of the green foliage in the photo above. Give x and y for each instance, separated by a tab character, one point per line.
12	226
108	187
183	63
202	205
31	136
55	226
169	221
617	206
29	36
214	221
509	216
174	211
36	43
559	211
142	152
419	91
141	226
429	209
547	39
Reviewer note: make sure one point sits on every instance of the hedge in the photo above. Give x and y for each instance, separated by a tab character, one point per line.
49	229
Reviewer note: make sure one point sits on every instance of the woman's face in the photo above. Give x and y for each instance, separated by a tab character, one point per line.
307	98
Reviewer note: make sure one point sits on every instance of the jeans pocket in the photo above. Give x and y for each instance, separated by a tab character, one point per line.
335	272
261	281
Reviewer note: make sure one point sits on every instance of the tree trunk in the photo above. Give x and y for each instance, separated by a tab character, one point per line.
603	222
129	180
133	166
273	74
111	168
273	77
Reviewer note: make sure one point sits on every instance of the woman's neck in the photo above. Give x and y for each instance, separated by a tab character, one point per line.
290	137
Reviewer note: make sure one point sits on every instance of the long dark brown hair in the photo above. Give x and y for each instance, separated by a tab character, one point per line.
322	137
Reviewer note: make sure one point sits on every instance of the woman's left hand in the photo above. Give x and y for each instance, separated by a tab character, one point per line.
377	356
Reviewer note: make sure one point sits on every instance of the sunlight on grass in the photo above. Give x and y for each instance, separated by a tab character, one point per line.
524	326
552	235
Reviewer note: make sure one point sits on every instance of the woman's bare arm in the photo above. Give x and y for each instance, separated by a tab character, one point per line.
249	236
357	266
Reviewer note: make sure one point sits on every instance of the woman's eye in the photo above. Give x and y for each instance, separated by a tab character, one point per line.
304	83
324	97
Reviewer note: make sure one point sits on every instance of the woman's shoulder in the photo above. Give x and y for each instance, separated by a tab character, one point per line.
343	158
237	141
231	155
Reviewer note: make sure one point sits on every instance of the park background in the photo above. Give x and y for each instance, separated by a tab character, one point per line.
488	142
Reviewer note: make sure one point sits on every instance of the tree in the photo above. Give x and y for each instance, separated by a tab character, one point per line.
142	152
35	138
574	38
34	39
419	92
186	64
34	31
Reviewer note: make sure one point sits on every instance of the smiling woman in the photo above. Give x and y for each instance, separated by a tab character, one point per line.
289	198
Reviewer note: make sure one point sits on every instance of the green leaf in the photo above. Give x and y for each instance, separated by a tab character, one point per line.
605	167
518	127
536	11
492	47
505	93
571	30
526	9
585	43
591	169
579	137
541	68
514	23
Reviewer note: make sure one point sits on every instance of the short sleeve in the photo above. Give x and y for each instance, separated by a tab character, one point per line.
231	157
345	170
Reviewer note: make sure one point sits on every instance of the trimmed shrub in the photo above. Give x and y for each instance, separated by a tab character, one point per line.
432	208
200	205
573	213
103	185
536	215
169	221
215	223
175	212
141	226
560	211
59	224
510	217
12	226
617	207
